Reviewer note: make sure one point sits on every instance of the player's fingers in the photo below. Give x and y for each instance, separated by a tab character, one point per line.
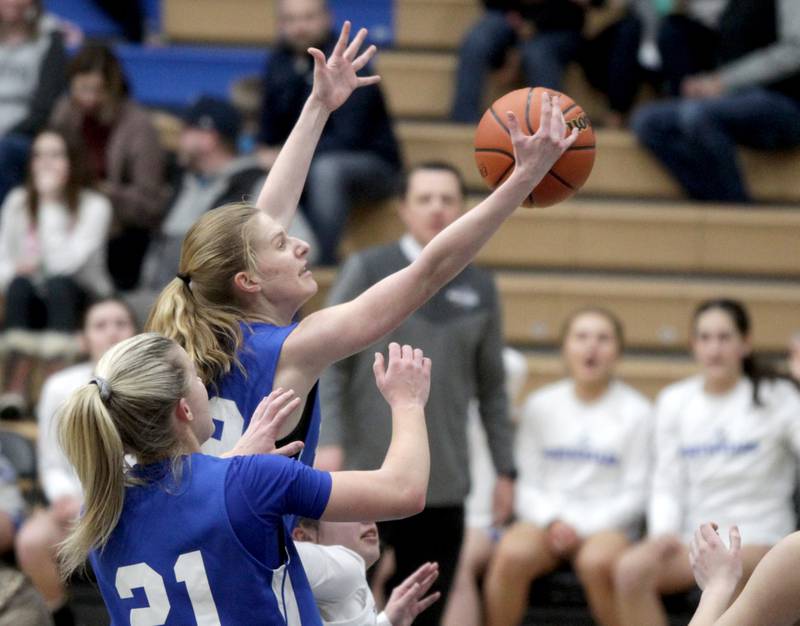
378	369
735	539
570	139
280	417
426	583
418	356
318	56
344	37
364	58
261	409
408	353
426	366
363	81
355	45
709	534
290	449
513	127
544	114
557	123
427	601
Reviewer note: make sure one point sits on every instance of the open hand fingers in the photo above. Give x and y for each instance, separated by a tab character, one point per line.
709	534
363	81
261	409
344	37
290	449
545	112
318	56
361	60
379	369
558	126
513	127
282	409
735	539
352	50
427	601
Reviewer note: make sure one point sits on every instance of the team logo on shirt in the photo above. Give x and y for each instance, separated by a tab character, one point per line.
581	454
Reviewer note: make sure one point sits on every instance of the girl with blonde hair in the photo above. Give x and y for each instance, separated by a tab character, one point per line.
198	534
242	279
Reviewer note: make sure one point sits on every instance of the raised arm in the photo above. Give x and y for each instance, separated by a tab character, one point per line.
337	332
334	80
398	488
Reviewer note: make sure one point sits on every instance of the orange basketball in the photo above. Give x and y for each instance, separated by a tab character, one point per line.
494	153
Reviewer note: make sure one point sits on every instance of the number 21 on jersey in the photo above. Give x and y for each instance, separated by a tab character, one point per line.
189	569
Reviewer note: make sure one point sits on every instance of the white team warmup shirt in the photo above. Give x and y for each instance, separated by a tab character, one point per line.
584	464
338	579
721	458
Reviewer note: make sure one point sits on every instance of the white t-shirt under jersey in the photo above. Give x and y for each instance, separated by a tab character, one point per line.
721	458
585	464
338	580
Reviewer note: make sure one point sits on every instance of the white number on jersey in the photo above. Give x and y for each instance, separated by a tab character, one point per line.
189	569
227	412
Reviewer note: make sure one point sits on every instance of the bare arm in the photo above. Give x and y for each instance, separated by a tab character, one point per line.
398	488
334	80
770	597
337	332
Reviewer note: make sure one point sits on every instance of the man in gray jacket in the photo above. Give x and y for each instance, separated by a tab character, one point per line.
460	329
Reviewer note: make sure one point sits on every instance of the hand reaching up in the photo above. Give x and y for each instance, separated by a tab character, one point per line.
714	564
408	599
407	379
335	77
536	154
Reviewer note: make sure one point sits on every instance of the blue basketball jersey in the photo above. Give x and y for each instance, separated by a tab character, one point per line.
237	395
175	558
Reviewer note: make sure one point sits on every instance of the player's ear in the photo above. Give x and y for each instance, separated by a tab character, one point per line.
302	534
244	282
183	412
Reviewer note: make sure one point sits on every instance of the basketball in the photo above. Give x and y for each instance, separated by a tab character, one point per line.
494	153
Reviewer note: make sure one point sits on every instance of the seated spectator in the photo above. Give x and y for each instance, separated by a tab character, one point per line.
357	158
583	448
53	235
336	557
124	154
106	323
211	176
752	99
727	444
481	530
32	76
647	46
548	34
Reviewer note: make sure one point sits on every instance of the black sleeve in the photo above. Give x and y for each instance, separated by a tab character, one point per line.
52	82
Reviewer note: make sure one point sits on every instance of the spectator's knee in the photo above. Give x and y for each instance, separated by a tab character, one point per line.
593	564
633	572
32	542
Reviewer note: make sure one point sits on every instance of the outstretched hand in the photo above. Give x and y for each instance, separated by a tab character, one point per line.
266	423
408	599
536	154
335	77
712	563
407	379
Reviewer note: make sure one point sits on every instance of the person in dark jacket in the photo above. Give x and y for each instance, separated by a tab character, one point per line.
357	158
751	99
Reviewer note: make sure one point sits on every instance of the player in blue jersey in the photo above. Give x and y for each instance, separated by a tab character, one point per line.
242	279
186	538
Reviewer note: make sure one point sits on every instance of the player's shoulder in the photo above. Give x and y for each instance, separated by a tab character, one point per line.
548	395
633	399
679	392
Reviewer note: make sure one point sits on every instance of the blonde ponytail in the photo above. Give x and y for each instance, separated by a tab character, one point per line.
198	308
127	409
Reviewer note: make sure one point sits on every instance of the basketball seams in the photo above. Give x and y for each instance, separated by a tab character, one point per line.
561	180
496	151
590	147
498	120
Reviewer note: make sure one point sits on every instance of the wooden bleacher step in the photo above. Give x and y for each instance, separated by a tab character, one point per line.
624	236
622	168
656	312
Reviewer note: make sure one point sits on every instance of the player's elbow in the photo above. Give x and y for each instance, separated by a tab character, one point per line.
413	501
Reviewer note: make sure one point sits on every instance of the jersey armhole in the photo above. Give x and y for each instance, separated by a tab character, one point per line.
300	431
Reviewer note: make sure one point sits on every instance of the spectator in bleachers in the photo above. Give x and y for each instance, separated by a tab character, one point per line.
583	448
124	154
53	234
548	34
752	99
727	445
32	76
357	157
648	46
106	323
459	326
211	175
464	605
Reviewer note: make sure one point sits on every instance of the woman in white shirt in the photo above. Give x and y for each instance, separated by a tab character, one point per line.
52	256
582	451
107	322
727	443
